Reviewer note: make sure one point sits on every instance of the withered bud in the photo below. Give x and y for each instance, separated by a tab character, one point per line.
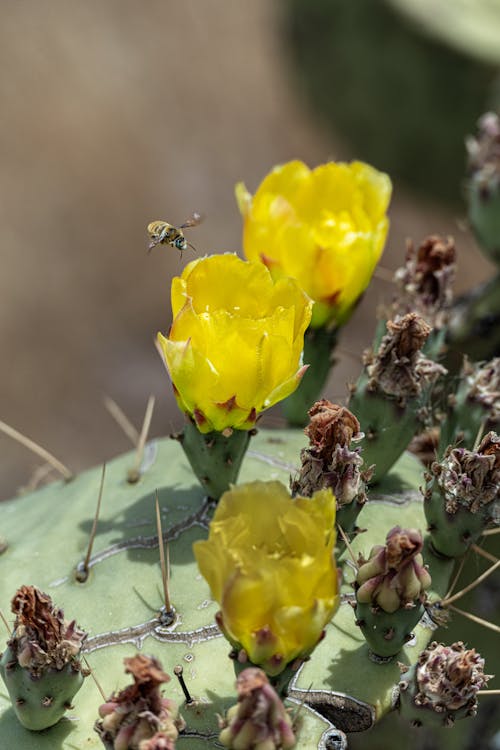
146	671
132	717
401	545
483	386
484	149
42	638
394	575
398	368
259	720
425	281
329	462
331	425
449	677
470	479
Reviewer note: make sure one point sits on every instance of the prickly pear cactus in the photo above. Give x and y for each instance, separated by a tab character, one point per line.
119	605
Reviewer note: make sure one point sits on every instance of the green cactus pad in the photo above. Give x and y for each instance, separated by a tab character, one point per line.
39	703
47	534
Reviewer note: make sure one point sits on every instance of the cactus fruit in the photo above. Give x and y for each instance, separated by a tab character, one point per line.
390	591
330	461
484	184
462	496
475	407
41	667
215	457
442	686
259	720
392	390
131	718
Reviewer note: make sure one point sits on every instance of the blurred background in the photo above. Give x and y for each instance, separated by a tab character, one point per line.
117	113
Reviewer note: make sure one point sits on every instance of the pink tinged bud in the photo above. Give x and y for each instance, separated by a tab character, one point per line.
245	737
408	584
423	575
387	597
259	720
123	737
374	566
365	593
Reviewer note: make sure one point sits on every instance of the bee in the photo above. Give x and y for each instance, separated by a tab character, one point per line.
163	233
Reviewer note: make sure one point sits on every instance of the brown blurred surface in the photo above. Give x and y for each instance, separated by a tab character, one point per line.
114	114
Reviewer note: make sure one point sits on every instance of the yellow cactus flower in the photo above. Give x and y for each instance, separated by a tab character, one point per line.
269	564
325	227
235	344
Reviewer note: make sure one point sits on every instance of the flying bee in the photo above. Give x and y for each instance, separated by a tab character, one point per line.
163	233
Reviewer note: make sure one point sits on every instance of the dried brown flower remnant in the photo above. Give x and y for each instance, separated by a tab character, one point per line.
394	575
399	368
483	386
329	461
259	720
146	671
449	677
134	715
331	425
42	638
470	479
425	281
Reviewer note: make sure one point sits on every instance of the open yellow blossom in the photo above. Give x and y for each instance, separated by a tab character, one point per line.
235	344
325	227
269	564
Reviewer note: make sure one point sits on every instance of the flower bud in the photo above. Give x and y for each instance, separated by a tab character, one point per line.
259	721
390	591
425	281
131	718
398	570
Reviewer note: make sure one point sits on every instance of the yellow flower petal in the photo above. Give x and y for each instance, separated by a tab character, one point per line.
326	228
269	563
235	344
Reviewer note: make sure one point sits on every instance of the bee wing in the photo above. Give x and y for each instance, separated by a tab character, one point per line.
193	220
